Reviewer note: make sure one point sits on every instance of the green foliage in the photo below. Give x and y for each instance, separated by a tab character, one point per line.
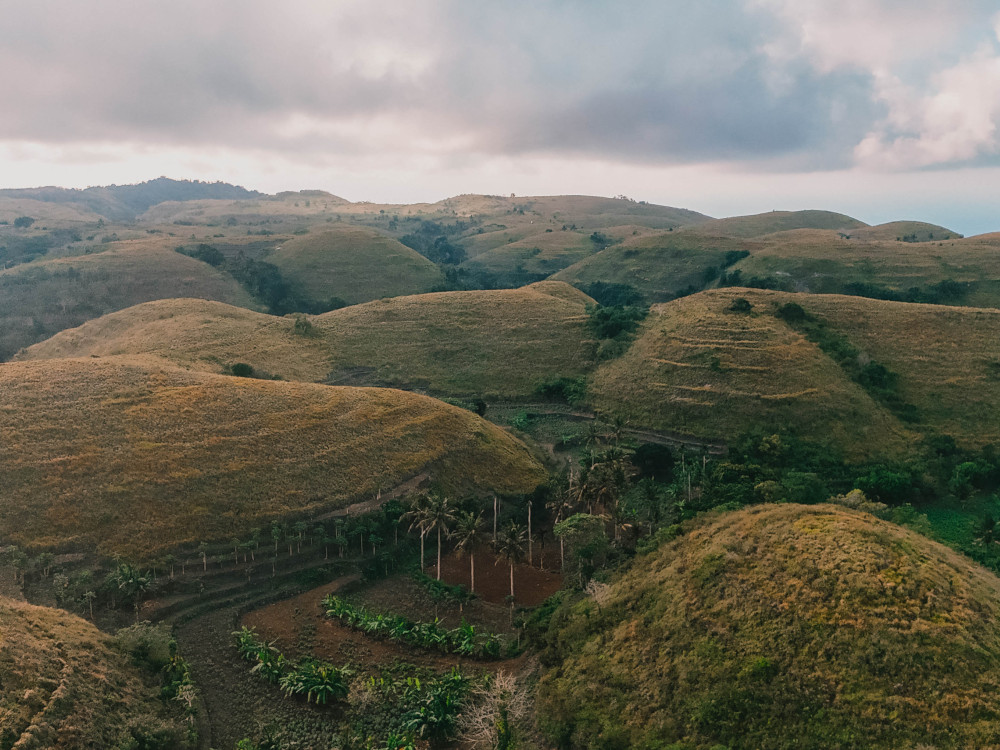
614	295
309	677
570	390
740	305
614	322
464	640
241	370
442	591
23	222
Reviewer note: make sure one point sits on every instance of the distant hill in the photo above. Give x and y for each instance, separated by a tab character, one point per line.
65	685
904	231
781	626
757	225
482	343
697	366
354	264
47	296
137	456
125	202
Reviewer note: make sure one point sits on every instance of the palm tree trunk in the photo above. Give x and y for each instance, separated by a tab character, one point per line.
439	553
472	572
512	582
422	550
529	534
562	554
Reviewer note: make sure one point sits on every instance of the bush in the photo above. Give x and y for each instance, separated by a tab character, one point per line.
242	370
613	322
23	222
741	305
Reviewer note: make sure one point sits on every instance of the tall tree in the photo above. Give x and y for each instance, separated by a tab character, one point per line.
440	517
416	516
510	547
468	533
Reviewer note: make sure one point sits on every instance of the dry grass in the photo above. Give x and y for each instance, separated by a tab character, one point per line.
61	683
895	230
355	264
764	373
784	627
44	297
49	214
136	457
757	225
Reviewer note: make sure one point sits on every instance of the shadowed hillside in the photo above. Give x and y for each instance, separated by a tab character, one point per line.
136	457
782	627
65	686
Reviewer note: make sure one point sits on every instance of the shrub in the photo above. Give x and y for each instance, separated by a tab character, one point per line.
741	305
242	370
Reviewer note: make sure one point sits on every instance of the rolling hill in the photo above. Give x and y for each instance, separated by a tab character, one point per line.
782	626
699	368
134	456
904	231
354	264
483	343
64	685
758	225
47	296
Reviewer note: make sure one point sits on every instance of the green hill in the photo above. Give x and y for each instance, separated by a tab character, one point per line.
905	231
135	456
482	343
660	266
65	686
781	627
47	296
699	368
354	264
757	225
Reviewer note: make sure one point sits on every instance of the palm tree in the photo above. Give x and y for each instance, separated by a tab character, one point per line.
510	546
417	516
440	516
468	532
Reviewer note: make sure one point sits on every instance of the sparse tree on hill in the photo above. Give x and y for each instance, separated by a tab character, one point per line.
468	533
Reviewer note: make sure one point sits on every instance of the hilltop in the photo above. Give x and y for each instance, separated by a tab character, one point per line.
47	296
782	626
354	264
65	685
134	456
758	225
479	343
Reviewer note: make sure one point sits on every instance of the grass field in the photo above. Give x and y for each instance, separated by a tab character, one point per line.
782	626
136	457
701	369
65	686
48	296
354	264
484	343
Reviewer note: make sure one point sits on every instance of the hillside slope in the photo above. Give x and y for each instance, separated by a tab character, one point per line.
779	627
757	225
64	686
135	456
699	368
44	297
354	264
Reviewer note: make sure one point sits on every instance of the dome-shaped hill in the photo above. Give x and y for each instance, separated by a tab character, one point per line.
196	334
783	627
135	456
660	265
44	297
64	685
480	343
757	225
354	264
905	231
502	342
701	368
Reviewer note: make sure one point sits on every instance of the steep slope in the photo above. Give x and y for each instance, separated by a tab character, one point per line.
65	686
135	456
354	264
757	225
44	297
782	627
698	367
662	265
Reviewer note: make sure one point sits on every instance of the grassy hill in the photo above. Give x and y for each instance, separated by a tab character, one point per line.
782	627
660	266
64	685
500	343
47	296
699	368
136	456
354	264
757	225
905	231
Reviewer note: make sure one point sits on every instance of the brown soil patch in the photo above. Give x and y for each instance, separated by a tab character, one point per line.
532	585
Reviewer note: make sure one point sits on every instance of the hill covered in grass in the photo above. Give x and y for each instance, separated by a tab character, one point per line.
64	685
136	457
782	626
758	225
864	376
905	231
47	296
354	264
479	343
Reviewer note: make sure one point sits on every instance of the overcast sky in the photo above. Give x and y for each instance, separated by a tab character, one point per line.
882	109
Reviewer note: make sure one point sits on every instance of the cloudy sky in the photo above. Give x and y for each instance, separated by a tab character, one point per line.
882	109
